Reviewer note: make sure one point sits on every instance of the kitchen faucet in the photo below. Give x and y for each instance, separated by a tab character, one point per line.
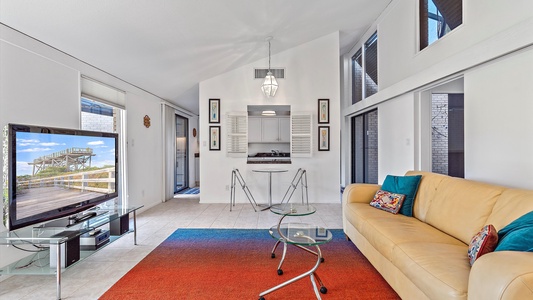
275	152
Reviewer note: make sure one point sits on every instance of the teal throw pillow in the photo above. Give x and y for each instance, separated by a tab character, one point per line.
406	185
517	236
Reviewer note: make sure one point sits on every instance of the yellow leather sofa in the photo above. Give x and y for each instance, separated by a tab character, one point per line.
425	256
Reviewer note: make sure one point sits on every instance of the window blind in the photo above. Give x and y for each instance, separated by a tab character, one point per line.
237	134
101	92
301	135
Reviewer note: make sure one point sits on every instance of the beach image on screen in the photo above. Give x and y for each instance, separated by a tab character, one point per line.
55	170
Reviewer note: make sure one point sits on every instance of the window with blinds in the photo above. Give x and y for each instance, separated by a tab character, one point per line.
237	134
365	70
301	135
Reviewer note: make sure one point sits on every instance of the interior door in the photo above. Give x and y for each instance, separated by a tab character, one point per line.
182	154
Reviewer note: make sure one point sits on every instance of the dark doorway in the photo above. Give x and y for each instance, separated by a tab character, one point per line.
364	146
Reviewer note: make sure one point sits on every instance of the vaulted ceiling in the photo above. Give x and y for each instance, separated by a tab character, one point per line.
167	47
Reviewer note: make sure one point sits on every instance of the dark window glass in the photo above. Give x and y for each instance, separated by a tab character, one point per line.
357	77
365	148
371	65
437	18
365	70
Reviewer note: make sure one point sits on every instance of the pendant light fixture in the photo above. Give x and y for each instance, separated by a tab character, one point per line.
270	85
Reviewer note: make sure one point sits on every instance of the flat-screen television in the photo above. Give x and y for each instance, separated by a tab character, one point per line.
56	172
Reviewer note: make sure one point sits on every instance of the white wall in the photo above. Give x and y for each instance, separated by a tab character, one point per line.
492	51
398	37
40	85
312	72
499	122
396	132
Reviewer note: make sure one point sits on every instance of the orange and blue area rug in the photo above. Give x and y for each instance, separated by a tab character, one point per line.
236	264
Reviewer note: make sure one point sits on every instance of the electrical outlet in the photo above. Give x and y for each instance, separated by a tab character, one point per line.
227	187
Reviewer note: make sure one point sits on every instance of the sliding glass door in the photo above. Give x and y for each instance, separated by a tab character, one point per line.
182	155
365	147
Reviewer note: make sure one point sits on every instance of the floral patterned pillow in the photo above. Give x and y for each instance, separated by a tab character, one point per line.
483	242
387	201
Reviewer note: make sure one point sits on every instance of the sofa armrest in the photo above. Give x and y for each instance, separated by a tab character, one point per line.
359	192
502	275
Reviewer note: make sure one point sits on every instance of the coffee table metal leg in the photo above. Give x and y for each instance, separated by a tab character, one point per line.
273	253
310	273
280	272
312	276
269	189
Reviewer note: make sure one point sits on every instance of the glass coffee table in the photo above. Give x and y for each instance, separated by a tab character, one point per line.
302	236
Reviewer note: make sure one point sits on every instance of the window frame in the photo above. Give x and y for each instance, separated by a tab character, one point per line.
423	31
362	53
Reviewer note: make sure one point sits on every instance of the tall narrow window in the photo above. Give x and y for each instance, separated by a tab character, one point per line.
357	77
447	125
102	109
365	70
437	18
371	66
97	116
365	148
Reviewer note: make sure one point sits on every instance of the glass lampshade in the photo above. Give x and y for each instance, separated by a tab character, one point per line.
270	85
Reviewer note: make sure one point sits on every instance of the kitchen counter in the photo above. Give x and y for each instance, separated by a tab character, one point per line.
269	158
269	162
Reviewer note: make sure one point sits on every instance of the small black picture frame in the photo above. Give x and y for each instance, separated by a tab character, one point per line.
323	138
214	138
323	111
214	111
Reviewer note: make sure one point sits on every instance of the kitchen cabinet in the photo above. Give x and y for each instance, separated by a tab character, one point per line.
254	130
285	130
269	130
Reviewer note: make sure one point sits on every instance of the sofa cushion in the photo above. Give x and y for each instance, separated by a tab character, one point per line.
512	204
358	213
439	270
387	201
426	192
483	242
517	236
461	207
406	185
386	231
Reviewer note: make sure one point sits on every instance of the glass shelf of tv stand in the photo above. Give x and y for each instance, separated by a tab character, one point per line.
41	237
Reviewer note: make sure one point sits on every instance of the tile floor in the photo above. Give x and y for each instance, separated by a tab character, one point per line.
90	278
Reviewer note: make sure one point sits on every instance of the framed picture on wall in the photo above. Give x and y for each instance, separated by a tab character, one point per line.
323	138
214	110
214	138
323	111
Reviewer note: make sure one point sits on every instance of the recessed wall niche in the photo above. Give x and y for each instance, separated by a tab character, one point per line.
268	129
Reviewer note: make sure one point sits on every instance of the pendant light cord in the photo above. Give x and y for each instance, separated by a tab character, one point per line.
269	55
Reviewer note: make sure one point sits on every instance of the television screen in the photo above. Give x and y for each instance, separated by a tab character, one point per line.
54	172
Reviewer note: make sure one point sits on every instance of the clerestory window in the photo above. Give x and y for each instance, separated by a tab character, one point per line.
365	70
438	18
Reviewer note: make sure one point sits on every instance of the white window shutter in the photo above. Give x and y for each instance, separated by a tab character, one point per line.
301	134
237	134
